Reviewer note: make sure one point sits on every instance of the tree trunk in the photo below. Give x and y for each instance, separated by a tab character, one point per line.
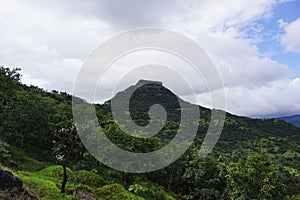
124	179
63	184
170	181
22	140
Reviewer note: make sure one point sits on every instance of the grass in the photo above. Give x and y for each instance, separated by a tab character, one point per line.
89	178
20	160
45	184
149	190
42	188
115	192
44	181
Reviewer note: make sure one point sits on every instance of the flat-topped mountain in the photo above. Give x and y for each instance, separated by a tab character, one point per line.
237	130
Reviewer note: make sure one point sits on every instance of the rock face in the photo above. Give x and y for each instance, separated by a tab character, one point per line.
8	181
12	187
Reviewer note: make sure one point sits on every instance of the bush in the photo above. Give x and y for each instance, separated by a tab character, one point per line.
4	152
115	192
22	161
55	173
150	191
88	178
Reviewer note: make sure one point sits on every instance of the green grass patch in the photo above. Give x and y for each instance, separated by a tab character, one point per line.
42	188
149	190
45	184
55	173
88	178
115	192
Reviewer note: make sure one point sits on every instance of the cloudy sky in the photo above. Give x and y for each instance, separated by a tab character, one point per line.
255	45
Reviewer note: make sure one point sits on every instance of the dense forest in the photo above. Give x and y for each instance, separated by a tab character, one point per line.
39	145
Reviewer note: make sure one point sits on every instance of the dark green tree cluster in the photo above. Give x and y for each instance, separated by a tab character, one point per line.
33	118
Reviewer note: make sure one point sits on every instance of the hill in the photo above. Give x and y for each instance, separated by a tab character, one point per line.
272	136
253	159
295	119
236	129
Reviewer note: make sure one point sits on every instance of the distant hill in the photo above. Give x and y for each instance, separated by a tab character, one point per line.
295	119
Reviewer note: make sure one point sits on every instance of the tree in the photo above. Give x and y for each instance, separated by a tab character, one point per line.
254	177
65	143
202	177
27	119
9	82
65	138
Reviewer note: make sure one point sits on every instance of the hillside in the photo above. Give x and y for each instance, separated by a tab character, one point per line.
254	159
295	119
236	130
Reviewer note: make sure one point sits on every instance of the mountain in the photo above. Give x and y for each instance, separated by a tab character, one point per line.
295	119
253	159
236	128
240	134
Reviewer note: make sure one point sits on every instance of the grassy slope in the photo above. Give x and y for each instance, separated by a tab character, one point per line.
43	181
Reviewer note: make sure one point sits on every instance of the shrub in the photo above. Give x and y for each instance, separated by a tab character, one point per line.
4	152
115	192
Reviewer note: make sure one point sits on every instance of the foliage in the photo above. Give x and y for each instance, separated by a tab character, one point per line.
254	177
66	140
9	79
115	192
22	160
28	119
89	178
253	159
149	190
41	186
4	152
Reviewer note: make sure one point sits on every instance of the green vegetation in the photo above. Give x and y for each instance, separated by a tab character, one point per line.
115	192
254	159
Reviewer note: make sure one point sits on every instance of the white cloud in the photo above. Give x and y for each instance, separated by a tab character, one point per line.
52	38
240	63
290	40
42	40
278	98
275	99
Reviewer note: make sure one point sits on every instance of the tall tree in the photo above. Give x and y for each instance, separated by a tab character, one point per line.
28	117
9	82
